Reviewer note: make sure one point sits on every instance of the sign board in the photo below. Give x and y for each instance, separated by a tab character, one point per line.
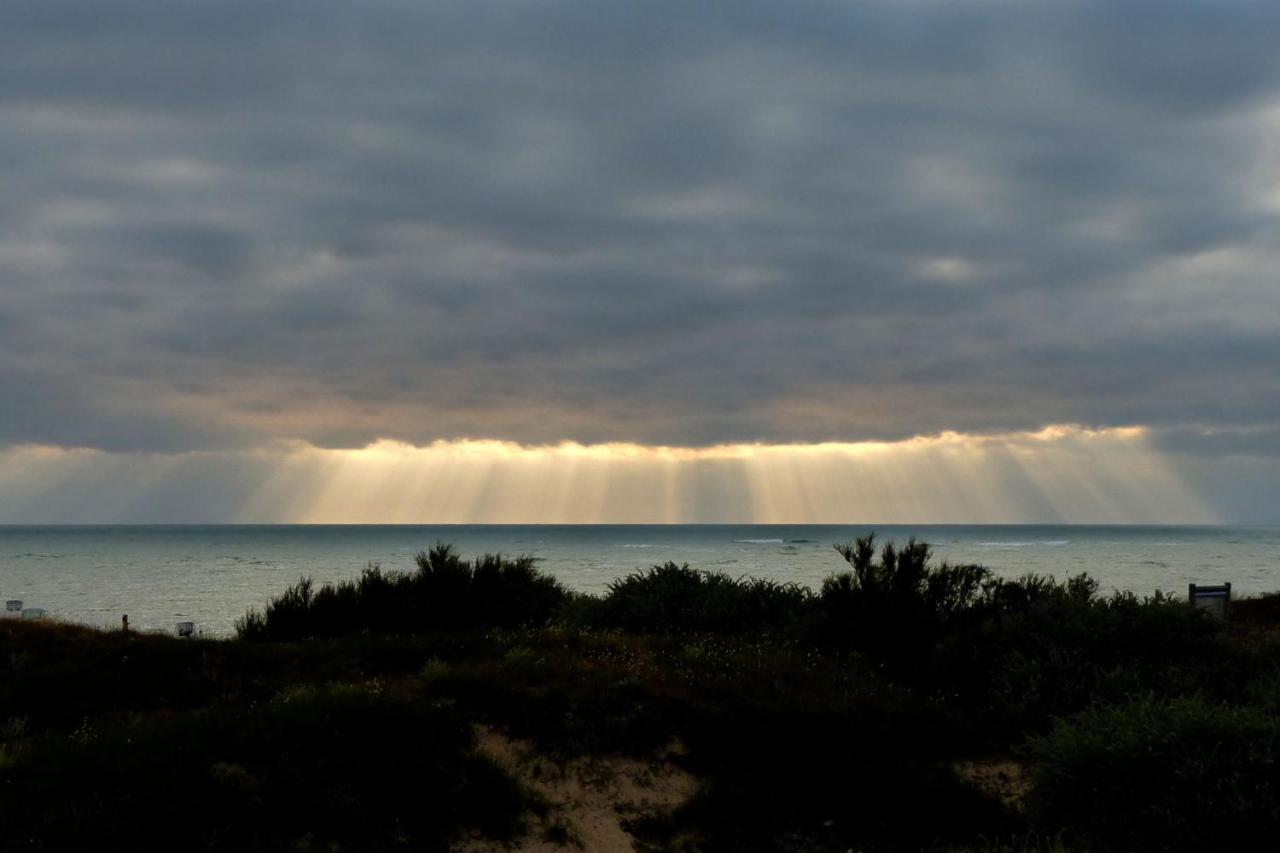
1214	599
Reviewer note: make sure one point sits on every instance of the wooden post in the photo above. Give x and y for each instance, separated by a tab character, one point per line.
124	623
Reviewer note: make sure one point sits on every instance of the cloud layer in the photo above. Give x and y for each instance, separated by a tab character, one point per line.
229	224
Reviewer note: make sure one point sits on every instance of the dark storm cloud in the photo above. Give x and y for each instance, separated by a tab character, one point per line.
1257	444
227	223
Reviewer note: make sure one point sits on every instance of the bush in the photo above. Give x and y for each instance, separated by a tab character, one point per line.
677	599
305	771
1182	774
491	591
1256	613
445	593
864	770
1033	648
898	604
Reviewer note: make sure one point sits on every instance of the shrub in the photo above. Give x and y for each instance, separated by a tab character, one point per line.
675	598
863	770
491	591
1184	774
898	604
1032	648
305	771
1257	613
445	593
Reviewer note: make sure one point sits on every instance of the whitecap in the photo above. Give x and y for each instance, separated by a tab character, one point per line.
1049	543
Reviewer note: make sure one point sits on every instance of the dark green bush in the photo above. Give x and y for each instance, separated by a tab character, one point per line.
1259	612
1012	653
1032	648
499	592
53	676
900	603
1153	774
446	593
863	769
308	770
675	598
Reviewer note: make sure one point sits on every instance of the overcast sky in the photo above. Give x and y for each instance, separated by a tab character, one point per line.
228	225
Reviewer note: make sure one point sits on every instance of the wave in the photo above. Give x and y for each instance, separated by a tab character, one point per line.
637	545
1049	543
758	541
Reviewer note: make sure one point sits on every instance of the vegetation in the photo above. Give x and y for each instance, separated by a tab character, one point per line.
904	705
307	770
1183	773
900	604
445	593
677	599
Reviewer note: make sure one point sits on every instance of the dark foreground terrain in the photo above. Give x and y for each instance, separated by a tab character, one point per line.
478	705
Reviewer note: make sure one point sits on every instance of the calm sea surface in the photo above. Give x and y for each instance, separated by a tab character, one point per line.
212	574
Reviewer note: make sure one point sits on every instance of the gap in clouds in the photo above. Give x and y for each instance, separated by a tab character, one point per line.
1063	474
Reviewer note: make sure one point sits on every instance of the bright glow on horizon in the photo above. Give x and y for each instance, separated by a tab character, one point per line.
1061	473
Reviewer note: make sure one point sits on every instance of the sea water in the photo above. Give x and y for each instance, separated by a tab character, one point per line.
211	575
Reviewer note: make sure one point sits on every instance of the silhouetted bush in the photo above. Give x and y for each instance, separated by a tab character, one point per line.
1151	774
1258	612
900	603
1012	653
308	770
1033	647
676	598
490	591
53	676
853	762
445	593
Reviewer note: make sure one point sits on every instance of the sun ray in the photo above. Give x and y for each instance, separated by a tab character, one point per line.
1060	473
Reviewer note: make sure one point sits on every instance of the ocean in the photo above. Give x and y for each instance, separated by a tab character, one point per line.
211	575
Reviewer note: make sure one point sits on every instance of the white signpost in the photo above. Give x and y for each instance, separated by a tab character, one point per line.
1215	599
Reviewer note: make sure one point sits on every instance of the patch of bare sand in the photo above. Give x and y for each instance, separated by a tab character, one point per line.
1002	778
589	799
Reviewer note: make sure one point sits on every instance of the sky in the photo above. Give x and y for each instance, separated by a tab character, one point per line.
579	261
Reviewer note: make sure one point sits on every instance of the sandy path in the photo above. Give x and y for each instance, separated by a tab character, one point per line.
590	797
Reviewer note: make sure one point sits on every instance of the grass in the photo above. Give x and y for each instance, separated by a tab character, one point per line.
816	720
